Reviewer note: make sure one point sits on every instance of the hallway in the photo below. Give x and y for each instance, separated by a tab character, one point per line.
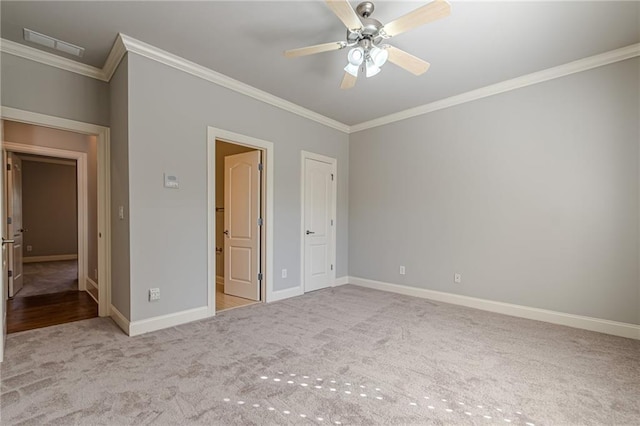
49	296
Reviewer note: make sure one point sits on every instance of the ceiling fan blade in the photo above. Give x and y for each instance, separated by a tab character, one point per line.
345	13
348	81
437	9
407	61
318	48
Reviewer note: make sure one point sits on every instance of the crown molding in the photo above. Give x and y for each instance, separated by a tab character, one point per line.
46	58
143	49
124	44
118	50
507	85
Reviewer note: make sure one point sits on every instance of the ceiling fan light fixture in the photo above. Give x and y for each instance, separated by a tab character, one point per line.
356	56
379	56
372	68
352	69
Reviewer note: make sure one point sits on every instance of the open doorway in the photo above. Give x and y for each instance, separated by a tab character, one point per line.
239	214
51	203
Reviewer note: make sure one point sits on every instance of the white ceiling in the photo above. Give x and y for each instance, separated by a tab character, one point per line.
481	43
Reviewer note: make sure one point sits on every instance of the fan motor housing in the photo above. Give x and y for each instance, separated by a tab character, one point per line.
370	29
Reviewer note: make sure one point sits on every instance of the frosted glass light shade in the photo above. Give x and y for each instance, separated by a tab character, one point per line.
352	69
379	56
372	69
356	56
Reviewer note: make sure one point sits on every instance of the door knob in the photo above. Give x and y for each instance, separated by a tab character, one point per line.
6	241
310	232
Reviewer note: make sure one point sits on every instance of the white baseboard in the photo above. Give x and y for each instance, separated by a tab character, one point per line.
341	281
615	328
93	285
119	319
165	321
52	258
285	294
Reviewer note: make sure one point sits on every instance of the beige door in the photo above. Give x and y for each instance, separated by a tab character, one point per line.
241	224
318	223
14	211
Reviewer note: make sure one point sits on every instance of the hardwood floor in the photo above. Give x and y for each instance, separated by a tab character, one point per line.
225	301
27	313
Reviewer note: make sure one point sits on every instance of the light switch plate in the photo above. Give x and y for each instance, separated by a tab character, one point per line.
171	181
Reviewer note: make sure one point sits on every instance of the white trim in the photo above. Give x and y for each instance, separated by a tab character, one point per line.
304	155
46	58
118	50
286	293
82	202
51	258
341	281
104	196
29	117
507	85
47	160
615	328
119	319
93	284
151	52
124	44
268	160
165	321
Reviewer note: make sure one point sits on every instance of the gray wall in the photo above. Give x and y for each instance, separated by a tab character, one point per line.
169	112
28	134
49	208
533	195
35	87
120	249
222	150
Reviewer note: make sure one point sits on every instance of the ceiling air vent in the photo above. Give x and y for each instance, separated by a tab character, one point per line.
53	43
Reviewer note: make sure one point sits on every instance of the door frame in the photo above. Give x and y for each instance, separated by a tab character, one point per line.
213	134
103	140
82	190
304	155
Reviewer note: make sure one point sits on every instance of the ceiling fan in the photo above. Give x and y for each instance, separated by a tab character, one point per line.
365	36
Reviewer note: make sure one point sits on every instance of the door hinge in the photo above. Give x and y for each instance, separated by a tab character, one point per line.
260	221
259	166
9	221
332	267
8	167
331	222
331	176
10	274
260	276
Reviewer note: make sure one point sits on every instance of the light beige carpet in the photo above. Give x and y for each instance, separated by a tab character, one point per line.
49	277
338	356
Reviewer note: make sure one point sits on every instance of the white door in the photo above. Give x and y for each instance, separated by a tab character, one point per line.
241	224
14	211
318	220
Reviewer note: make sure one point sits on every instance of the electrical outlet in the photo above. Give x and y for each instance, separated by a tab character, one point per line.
154	294
402	270
284	273
29	248
457	278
